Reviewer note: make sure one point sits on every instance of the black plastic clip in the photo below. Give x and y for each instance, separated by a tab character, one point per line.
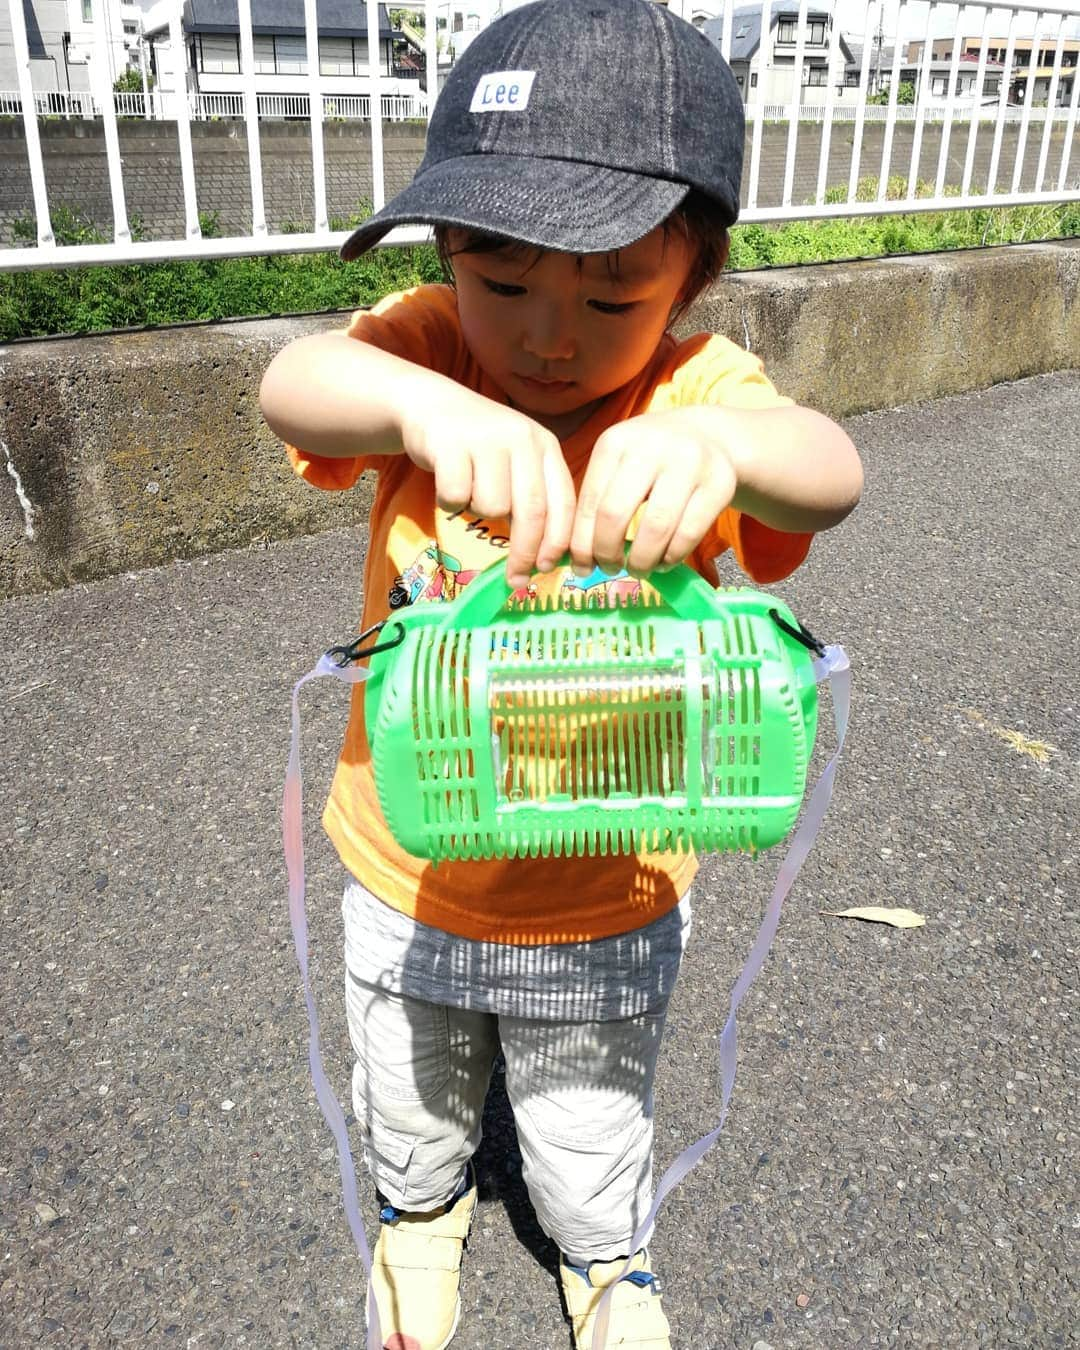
800	634
356	650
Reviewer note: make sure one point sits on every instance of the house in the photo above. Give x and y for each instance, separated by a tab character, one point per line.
1024	56
212	33
61	38
64	38
964	91
879	63
765	70
693	12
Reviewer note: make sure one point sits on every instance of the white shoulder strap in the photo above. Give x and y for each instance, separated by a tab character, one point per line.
834	667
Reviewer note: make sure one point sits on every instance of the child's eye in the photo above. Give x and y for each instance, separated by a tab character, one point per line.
611	306
502	287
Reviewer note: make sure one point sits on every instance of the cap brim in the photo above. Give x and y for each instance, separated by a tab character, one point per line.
553	203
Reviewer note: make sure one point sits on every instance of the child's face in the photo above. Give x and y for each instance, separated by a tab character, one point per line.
557	333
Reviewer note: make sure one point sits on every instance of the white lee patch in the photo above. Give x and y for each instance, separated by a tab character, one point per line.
503	91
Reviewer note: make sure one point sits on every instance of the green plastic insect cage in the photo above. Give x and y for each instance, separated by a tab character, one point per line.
683	719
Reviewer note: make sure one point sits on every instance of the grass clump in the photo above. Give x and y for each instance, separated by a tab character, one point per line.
87	299
131	295
830	240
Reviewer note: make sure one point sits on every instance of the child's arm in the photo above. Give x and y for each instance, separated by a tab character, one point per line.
335	395
788	467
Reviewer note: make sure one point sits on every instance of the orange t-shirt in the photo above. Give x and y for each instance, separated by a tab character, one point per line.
419	554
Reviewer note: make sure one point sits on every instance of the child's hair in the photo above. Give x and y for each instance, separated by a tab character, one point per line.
697	217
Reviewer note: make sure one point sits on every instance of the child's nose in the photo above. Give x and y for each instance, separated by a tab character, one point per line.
549	334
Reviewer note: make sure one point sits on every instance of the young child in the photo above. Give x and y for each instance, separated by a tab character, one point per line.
582	169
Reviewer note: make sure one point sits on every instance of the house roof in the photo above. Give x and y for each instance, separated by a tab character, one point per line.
884	57
336	18
746	26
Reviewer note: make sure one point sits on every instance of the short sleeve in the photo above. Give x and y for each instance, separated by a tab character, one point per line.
712	369
419	325
716	371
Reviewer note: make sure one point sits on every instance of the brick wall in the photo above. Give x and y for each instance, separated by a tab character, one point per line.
77	177
76	171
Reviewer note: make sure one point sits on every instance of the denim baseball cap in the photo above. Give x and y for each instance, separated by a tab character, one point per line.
577	126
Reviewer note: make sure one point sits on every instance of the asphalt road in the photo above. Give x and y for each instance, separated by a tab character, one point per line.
900	1164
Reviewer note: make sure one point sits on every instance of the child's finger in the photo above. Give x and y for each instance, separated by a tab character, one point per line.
561	503
701	511
661	521
593	492
528	517
615	512
453	478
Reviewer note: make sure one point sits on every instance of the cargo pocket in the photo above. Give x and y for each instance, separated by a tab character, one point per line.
402	1045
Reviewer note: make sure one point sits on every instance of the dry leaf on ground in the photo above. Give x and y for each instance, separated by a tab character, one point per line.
898	918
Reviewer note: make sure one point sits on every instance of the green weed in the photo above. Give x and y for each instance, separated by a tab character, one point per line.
87	299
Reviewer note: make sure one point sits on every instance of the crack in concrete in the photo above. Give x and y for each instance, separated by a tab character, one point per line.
28	507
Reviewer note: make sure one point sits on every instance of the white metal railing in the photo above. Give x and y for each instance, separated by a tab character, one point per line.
929	112
1024	143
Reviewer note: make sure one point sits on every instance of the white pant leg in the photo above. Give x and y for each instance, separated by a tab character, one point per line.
419	1083
582	1095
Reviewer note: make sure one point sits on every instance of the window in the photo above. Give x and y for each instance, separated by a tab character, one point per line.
739	80
785	31
816	36
753	80
1069	58
264	55
87	11
219	54
938	85
335	56
851	79
290	56
992	85
343	56
817	75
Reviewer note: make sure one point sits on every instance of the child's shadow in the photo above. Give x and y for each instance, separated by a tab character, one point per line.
498	1173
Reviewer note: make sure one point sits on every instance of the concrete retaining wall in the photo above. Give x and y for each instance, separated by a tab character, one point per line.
123	451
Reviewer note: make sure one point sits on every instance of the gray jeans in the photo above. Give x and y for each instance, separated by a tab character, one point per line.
581	1092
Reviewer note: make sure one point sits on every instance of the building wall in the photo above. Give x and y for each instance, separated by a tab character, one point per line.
46	24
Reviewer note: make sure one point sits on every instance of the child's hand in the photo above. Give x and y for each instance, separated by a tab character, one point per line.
664	463
498	463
